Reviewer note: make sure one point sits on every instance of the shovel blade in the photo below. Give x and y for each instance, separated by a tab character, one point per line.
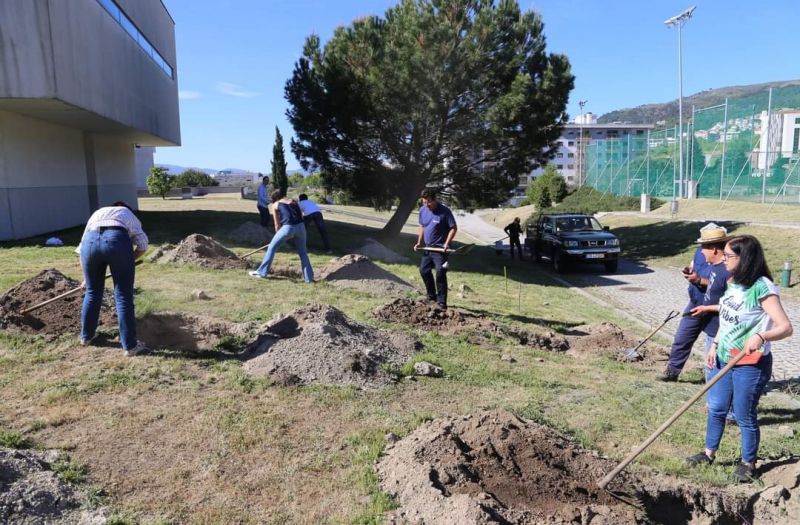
631	354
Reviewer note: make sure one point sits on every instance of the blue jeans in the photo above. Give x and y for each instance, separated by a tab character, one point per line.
687	333
99	250
741	387
284	233
436	291
320	223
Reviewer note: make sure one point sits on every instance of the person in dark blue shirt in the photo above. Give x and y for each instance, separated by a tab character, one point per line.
707	283
437	227
288	219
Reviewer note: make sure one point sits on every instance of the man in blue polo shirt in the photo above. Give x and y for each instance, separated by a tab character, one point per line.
707	279
437	227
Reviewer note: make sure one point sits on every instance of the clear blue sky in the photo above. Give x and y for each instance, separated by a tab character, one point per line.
235	57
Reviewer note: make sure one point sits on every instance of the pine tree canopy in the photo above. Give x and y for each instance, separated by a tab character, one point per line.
456	94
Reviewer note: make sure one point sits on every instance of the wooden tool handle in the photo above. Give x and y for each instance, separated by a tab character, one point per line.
254	251
54	299
633	455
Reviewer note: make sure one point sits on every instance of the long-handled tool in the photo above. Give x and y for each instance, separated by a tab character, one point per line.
254	251
632	354
461	250
603	483
61	296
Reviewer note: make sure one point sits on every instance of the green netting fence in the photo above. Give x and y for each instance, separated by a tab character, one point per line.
728	154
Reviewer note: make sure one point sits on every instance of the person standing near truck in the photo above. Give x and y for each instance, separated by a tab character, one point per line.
514	230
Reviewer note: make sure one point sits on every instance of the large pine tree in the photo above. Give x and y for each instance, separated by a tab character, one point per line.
278	164
457	94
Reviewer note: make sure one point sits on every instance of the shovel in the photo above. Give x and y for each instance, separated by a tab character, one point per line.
632	354
461	250
61	296
254	251
635	500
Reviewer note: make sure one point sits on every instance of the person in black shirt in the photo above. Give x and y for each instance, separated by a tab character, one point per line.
514	230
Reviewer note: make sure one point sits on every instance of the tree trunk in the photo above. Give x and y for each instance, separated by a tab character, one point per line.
408	201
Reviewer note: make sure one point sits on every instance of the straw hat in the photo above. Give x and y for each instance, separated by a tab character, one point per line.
712	233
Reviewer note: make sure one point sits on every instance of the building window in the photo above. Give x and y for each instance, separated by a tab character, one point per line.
570	133
570	166
559	155
571	143
796	142
122	19
570	155
640	132
560	166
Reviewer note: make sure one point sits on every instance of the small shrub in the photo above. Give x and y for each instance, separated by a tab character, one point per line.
14	440
69	471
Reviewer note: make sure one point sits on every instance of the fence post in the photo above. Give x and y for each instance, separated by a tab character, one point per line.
724	148
647	183
766	150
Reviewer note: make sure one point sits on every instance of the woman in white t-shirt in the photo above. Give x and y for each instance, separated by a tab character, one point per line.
750	317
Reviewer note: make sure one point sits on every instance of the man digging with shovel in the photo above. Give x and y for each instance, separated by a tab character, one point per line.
437	227
707	279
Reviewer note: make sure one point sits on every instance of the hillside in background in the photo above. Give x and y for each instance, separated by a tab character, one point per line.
742	100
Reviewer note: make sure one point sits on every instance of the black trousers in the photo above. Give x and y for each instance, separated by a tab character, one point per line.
437	291
264	214
514	241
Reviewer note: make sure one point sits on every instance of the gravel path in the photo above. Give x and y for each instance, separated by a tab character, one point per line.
647	293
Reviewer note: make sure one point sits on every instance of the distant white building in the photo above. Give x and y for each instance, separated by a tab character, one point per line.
570	154
780	138
236	178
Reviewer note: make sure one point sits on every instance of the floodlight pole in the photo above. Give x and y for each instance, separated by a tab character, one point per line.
679	20
581	103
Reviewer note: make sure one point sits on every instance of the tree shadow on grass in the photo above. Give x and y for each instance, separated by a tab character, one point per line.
778	416
662	239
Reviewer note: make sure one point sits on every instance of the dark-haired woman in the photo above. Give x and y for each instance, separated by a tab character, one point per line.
289	224
750	318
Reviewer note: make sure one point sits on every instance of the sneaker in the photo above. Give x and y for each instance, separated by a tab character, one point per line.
667	376
744	473
90	341
257	275
136	350
443	306
699	459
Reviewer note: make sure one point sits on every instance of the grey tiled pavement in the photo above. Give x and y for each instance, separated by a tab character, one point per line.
648	293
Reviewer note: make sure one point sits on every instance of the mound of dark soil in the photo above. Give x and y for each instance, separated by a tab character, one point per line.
610	340
250	233
320	344
31	493
428	316
358	272
199	250
497	468
59	317
192	333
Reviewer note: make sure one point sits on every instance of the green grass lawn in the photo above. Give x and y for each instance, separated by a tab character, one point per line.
192	439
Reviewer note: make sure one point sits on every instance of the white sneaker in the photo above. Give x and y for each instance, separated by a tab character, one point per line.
88	342
257	275
138	349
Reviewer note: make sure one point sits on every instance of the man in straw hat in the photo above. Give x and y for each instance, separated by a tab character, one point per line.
707	278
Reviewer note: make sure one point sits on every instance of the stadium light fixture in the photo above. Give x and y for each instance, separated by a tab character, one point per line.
678	21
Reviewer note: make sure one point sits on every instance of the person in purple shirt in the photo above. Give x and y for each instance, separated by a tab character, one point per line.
437	227
707	279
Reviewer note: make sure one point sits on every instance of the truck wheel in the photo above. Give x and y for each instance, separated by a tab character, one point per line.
559	263
611	266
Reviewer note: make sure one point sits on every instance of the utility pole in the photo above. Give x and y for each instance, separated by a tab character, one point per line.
581	103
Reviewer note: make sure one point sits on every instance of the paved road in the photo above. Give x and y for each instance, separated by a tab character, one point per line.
648	293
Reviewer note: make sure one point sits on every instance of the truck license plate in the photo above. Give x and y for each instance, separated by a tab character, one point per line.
595	255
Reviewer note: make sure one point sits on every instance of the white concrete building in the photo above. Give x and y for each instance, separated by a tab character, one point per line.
81	83
779	139
570	154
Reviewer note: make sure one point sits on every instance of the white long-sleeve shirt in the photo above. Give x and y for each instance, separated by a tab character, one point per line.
118	216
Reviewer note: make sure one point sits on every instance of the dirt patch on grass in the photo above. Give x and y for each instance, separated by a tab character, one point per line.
59	317
497	468
31	492
250	233
428	316
375	250
612	341
358	272
192	333
320	344
199	250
